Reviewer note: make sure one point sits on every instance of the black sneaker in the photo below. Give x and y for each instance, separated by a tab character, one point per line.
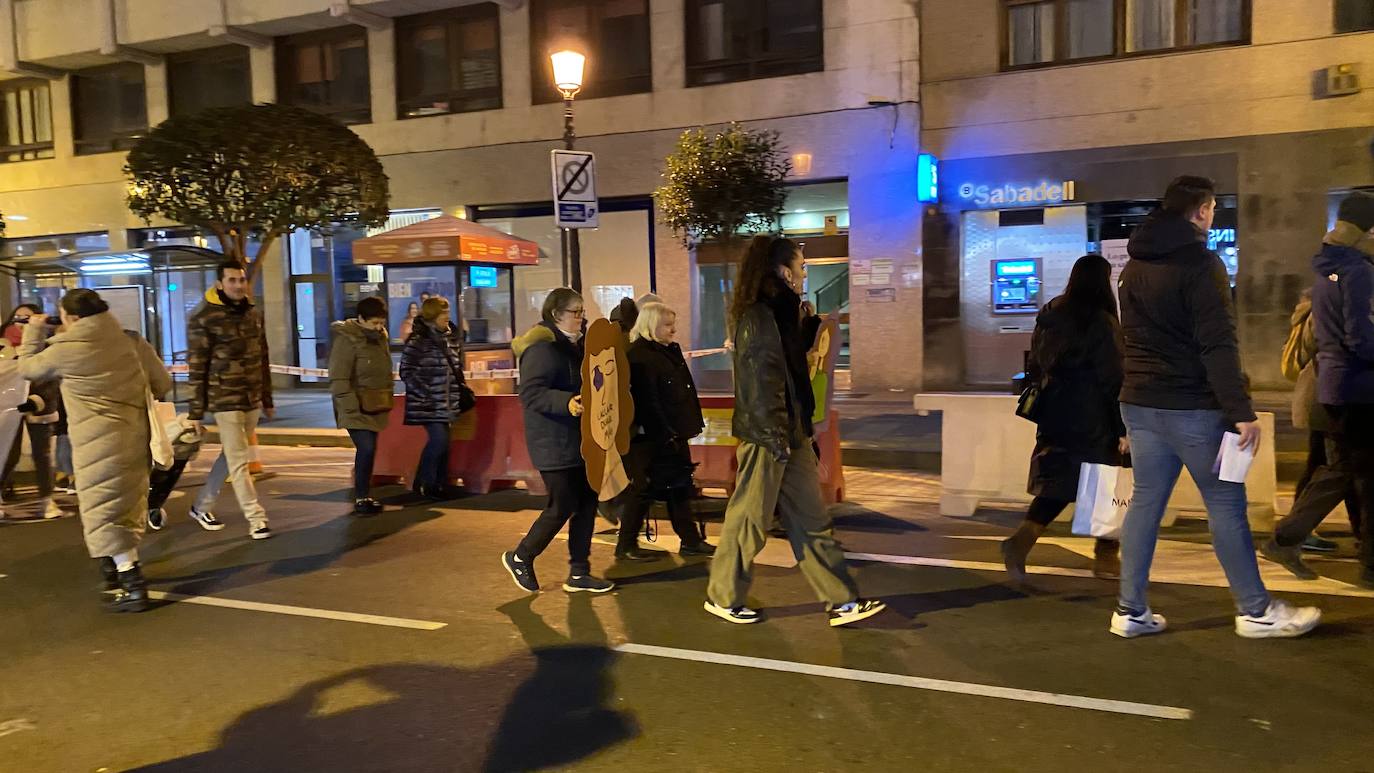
1316	543
578	583
207	520
520	571
741	615
702	548
261	532
1289	558
855	611
157	518
639	554
366	507
132	593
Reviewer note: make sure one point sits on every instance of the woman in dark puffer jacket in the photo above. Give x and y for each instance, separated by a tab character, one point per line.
432	371
667	415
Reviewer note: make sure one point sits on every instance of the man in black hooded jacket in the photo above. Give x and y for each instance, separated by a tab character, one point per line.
1183	391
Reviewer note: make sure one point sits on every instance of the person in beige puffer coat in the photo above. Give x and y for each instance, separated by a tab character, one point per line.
106	374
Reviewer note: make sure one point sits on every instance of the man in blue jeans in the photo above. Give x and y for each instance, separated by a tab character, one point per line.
1184	389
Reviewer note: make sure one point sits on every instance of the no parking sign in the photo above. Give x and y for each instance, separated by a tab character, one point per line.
574	189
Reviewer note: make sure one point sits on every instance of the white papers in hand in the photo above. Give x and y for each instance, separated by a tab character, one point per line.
1233	464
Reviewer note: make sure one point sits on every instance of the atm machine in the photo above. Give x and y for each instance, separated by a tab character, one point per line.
1016	286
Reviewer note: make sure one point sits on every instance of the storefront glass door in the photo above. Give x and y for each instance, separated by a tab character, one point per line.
312	295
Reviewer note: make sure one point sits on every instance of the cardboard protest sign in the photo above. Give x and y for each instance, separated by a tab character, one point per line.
607	409
821	362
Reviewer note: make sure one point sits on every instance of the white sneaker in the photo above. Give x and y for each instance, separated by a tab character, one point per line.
206	519
741	615
51	510
1131	626
1280	621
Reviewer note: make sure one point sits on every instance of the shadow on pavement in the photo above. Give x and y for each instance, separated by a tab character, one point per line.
427	717
545	708
340	536
861	519
905	610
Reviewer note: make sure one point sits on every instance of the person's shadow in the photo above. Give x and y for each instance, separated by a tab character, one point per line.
531	711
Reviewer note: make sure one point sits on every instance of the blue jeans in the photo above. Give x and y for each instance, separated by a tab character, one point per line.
1162	443
434	459
365	440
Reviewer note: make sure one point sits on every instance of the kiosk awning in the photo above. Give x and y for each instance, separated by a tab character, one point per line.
445	239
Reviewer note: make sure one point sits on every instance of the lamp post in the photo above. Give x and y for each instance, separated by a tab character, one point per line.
568	67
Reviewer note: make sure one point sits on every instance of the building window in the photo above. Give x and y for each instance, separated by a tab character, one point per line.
614	34
1354	15
449	61
326	72
1091	28
738	40
1042	32
1030	33
211	77
109	108
26	130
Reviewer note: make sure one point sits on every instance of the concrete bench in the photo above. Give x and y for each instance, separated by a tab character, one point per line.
986	449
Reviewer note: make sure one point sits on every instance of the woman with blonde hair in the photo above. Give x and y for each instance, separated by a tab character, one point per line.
667	416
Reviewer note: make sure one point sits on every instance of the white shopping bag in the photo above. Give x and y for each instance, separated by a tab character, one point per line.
159	414
1104	494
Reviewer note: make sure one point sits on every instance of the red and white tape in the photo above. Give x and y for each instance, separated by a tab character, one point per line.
470	375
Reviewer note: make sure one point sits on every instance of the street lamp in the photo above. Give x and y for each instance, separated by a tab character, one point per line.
568	68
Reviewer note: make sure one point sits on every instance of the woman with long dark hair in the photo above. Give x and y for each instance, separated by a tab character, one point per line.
1076	355
777	465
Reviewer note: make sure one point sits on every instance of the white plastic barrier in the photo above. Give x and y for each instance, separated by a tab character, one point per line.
986	449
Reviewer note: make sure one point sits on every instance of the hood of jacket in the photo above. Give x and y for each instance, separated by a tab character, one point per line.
89	329
356	332
1349	235
215	298
542	332
421	328
1345	248
1162	235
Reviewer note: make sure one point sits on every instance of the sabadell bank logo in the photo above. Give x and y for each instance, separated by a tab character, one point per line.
1018	194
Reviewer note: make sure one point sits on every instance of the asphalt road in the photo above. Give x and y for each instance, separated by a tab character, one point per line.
399	644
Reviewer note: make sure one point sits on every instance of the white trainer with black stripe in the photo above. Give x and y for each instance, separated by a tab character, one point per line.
854	611
741	615
1280	621
1129	626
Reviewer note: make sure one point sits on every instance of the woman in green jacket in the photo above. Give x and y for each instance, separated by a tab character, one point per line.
360	381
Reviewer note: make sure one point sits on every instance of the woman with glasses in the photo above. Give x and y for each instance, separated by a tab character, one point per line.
550	361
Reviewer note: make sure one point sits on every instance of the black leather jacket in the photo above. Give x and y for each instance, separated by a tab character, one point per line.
769	392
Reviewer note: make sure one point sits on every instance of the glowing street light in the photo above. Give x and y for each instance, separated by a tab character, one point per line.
569	66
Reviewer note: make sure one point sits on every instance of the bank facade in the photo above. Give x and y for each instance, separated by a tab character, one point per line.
456	100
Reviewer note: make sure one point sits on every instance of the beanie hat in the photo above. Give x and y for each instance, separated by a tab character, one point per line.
1358	209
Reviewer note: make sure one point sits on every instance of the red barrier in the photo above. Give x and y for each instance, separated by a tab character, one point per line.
493	455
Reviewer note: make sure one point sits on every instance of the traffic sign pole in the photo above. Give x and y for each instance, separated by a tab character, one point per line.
572	241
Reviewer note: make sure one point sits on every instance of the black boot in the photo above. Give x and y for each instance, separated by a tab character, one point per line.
1016	547
132	594
108	571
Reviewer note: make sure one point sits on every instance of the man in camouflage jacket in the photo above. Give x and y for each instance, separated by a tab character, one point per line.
229	376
